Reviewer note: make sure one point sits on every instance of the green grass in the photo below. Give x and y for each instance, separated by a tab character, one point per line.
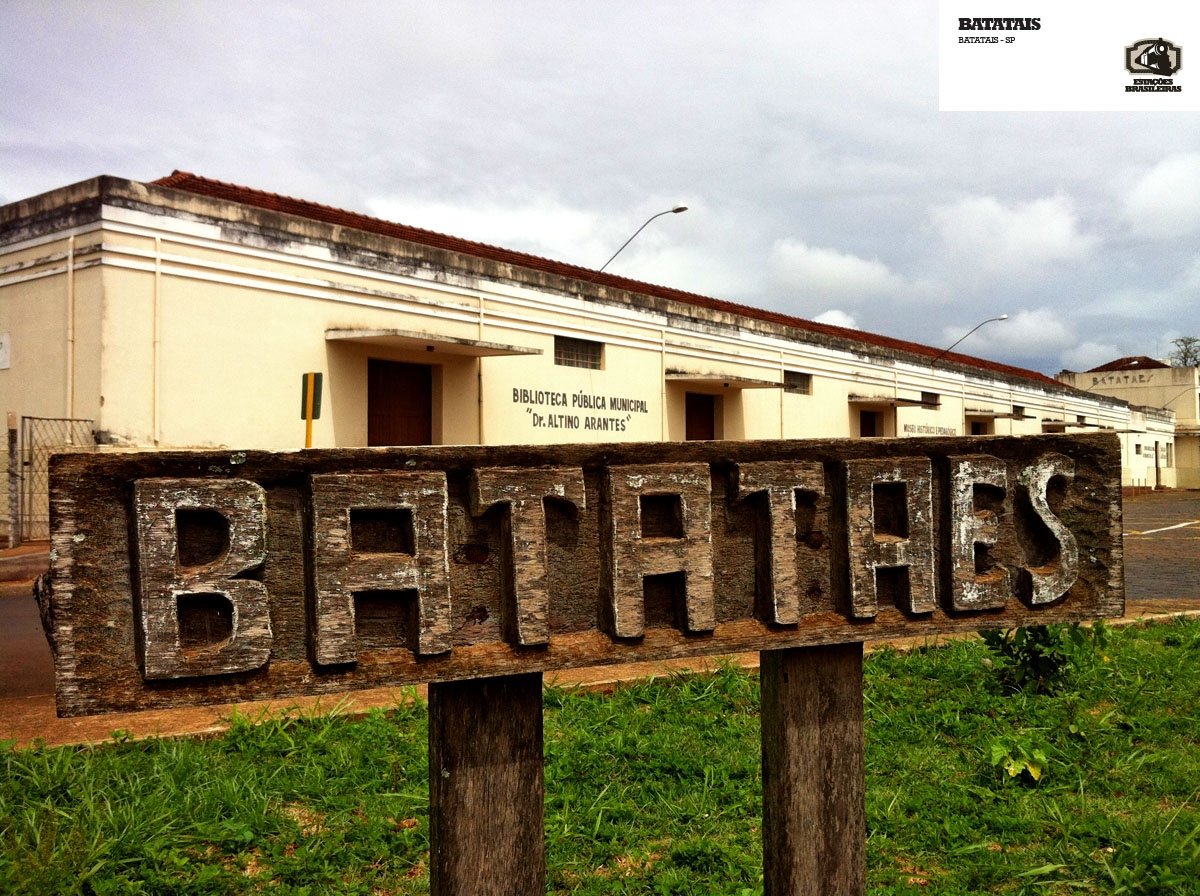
972	787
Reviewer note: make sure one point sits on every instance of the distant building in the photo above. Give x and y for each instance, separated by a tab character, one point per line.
1158	392
183	313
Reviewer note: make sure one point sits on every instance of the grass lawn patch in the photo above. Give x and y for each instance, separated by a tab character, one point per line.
977	782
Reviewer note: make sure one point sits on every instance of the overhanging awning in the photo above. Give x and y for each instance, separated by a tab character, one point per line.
720	381
997	415
892	401
428	342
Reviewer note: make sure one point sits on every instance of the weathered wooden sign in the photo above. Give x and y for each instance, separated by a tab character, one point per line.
187	577
212	576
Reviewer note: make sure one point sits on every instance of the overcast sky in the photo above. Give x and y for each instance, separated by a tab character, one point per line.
805	137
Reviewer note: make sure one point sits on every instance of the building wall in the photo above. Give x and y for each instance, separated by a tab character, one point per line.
1150	450
171	330
1166	402
51	303
1187	460
48	308
1172	388
205	342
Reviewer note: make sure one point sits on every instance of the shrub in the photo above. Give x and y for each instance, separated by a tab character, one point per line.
1041	659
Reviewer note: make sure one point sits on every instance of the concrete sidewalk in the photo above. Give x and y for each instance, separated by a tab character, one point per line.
26	720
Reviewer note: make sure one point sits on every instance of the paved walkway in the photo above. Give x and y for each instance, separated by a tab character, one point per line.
1162	563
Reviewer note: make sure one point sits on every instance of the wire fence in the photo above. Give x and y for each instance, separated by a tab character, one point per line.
41	437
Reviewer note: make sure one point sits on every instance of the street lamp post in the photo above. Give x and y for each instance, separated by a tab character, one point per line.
670	211
946	351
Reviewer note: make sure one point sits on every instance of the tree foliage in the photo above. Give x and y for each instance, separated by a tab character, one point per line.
1187	351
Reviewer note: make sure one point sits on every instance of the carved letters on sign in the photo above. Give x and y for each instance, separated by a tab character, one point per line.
659	523
790	542
387	532
163	507
980	499
302	573
1046	581
524	492
889	508
380	532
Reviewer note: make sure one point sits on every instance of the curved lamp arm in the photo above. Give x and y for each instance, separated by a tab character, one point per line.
670	211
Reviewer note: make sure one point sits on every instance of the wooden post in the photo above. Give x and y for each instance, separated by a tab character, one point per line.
814	816
486	787
250	569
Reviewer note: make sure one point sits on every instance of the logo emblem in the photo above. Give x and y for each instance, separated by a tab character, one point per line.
1153	57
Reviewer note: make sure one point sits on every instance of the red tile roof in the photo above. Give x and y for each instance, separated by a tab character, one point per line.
1135	362
192	183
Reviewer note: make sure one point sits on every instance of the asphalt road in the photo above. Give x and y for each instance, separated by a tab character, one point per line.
1162	562
1162	546
26	668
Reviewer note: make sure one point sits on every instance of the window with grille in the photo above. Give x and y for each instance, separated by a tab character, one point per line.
930	399
798	382
570	352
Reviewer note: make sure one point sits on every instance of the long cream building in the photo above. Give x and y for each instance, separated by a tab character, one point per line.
184	313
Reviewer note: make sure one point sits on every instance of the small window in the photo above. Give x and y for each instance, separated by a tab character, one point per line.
569	352
1080	419
930	399
1018	412
1137	449
798	382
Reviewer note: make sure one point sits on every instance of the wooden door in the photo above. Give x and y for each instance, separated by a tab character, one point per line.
700	413
399	403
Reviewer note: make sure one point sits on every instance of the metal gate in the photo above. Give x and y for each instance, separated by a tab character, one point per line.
41	437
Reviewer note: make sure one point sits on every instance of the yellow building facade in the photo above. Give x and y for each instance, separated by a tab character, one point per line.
1168	401
184	312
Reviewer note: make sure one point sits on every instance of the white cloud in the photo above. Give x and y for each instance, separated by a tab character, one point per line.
1087	355
559	131
1190	278
690	269
1027	334
1165	202
819	273
837	318
673	250
536	224
988	235
1161	294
